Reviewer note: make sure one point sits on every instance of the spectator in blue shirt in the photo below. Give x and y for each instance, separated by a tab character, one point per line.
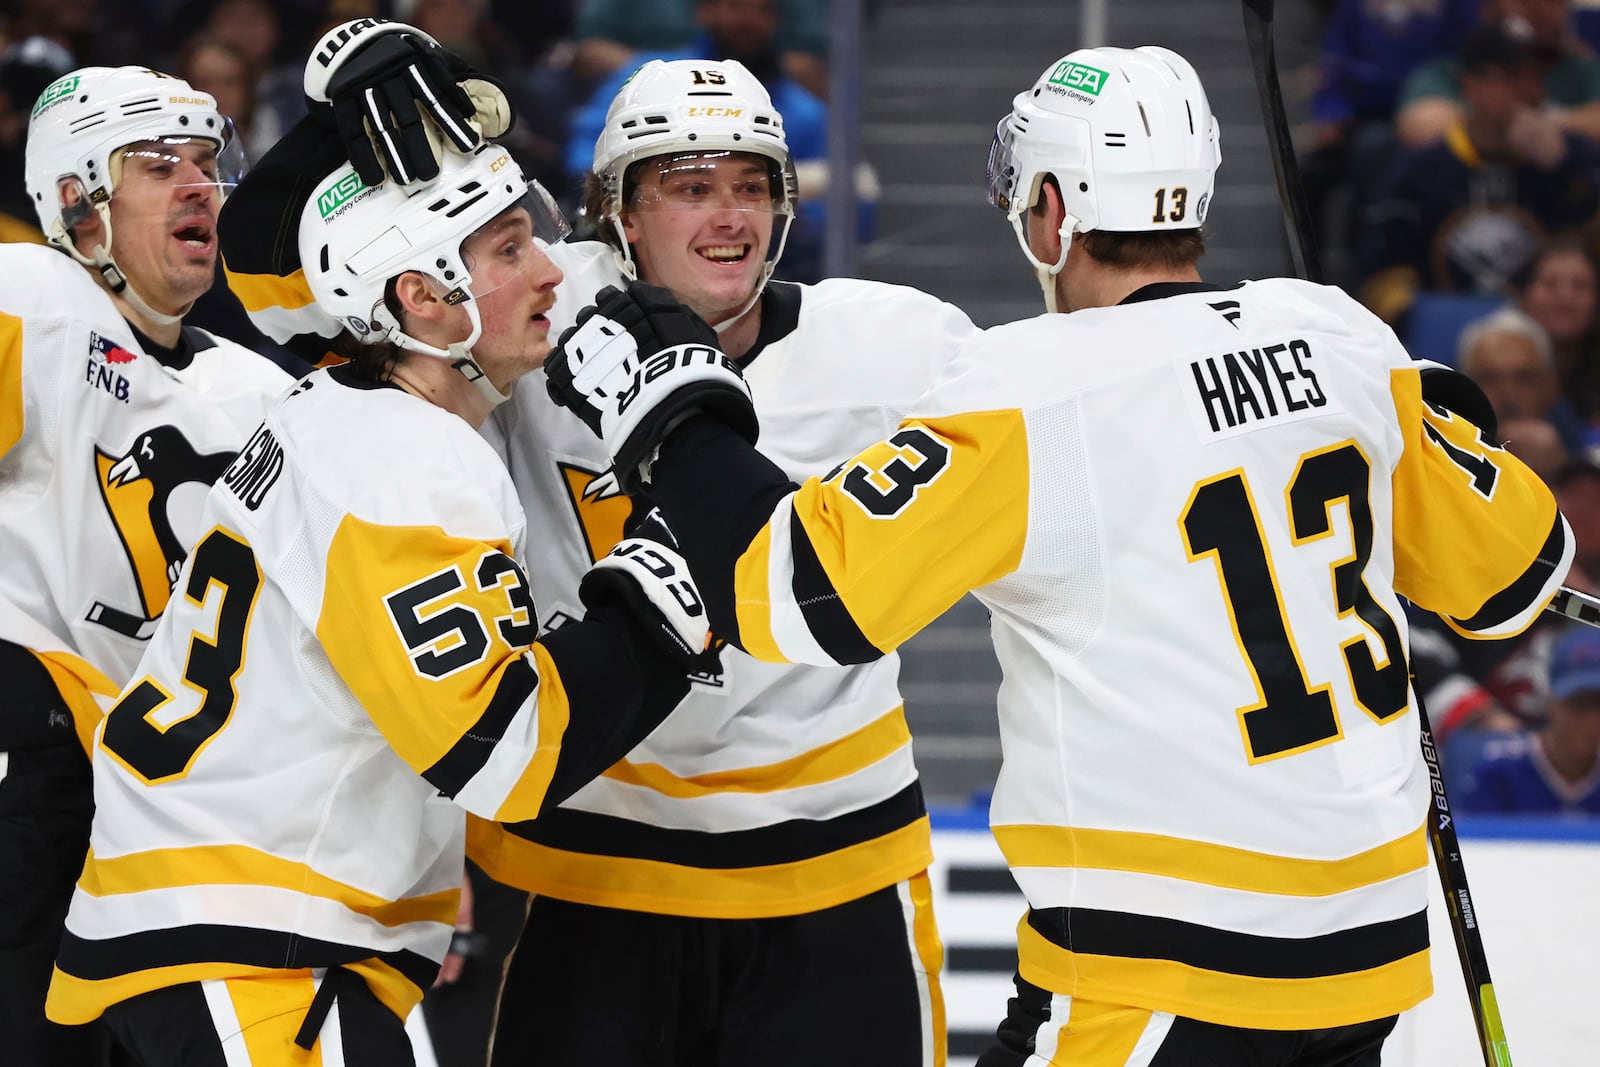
1557	770
745	30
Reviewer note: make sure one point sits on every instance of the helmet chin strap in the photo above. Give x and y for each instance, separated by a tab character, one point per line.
623	253
100	260
459	353
1046	272
766	276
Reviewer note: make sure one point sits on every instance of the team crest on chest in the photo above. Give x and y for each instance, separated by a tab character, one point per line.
599	505
136	488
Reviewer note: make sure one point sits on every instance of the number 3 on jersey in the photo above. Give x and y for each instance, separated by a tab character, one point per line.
159	747
1290	715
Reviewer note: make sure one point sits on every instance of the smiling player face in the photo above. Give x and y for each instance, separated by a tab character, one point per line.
701	225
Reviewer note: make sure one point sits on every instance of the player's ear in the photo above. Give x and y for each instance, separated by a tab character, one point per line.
418	296
1044	221
630	228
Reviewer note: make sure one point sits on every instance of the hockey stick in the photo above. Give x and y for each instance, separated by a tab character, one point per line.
1575	605
1441	824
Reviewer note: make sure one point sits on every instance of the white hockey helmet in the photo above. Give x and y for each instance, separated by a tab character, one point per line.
1128	135
355	238
77	129
691	106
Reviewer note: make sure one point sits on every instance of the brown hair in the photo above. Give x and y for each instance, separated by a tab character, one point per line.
1146	248
594	209
374	362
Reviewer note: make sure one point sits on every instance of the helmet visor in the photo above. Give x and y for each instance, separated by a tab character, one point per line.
1002	175
185	162
710	181
508	245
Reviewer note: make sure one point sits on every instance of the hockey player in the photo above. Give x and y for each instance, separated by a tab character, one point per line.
115	418
1192	512
769	843
350	661
765	848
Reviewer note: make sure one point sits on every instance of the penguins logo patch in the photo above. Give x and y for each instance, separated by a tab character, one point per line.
136	488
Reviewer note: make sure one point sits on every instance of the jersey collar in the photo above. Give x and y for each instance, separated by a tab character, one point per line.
780	316
1162	290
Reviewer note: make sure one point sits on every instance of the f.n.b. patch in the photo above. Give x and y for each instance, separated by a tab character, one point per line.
105	356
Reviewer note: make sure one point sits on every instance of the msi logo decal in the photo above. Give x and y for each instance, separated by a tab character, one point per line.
1085	79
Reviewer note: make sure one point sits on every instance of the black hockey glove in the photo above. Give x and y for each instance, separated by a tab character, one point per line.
396	95
653	583
1447	388
635	365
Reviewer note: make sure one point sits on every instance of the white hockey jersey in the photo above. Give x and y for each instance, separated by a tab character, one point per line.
777	789
1190	516
347	664
105	457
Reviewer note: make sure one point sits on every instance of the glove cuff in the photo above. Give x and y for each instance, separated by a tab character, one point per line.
334	49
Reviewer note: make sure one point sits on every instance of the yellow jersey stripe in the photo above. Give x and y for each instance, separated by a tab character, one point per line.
423	717
258	292
11	417
1226	999
1209	864
79	683
73	1001
554	711
1514	518
197	865
825	763
696	892
271	1010
930	951
963	527
751	575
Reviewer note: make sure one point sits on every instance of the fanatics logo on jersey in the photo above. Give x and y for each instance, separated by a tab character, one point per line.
104	355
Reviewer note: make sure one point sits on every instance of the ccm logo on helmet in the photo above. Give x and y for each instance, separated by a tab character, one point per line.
496	164
713	112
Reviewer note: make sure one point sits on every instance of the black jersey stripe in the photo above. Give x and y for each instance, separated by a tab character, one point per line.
785	842
469	754
100	959
826	616
1522	593
1114	933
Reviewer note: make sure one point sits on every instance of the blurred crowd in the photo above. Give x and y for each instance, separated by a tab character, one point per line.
1452	161
560	62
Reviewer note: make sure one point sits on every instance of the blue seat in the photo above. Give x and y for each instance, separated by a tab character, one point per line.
1434	324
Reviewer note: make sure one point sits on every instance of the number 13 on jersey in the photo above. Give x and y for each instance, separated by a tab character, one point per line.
1221	522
